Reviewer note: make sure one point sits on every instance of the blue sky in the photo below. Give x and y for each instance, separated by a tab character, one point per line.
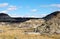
29	8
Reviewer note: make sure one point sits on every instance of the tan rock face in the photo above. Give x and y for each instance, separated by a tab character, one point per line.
33	23
55	22
52	24
48	25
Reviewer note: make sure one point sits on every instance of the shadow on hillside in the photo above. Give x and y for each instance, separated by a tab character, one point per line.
6	18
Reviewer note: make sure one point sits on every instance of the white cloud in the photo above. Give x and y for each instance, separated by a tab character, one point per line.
16	15
55	5
4	11
8	7
34	10
3	4
42	15
36	16
51	5
12	8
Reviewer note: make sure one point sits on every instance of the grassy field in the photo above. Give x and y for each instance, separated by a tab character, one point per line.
7	32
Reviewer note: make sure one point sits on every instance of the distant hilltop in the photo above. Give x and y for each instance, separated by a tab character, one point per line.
49	24
52	15
6	18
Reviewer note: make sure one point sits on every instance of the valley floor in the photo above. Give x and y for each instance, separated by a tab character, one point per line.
17	33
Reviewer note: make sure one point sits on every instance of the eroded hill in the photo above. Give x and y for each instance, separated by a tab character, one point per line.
30	27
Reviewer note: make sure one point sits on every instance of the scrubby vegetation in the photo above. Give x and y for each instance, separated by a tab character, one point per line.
30	28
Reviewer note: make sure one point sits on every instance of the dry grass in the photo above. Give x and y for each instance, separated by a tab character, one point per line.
17	33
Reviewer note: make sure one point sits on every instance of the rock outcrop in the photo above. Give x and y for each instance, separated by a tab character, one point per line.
49	24
52	24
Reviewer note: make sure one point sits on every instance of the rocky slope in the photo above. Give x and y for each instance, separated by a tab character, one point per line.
51	25
46	25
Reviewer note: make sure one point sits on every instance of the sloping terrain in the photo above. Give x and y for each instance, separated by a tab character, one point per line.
30	28
52	24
